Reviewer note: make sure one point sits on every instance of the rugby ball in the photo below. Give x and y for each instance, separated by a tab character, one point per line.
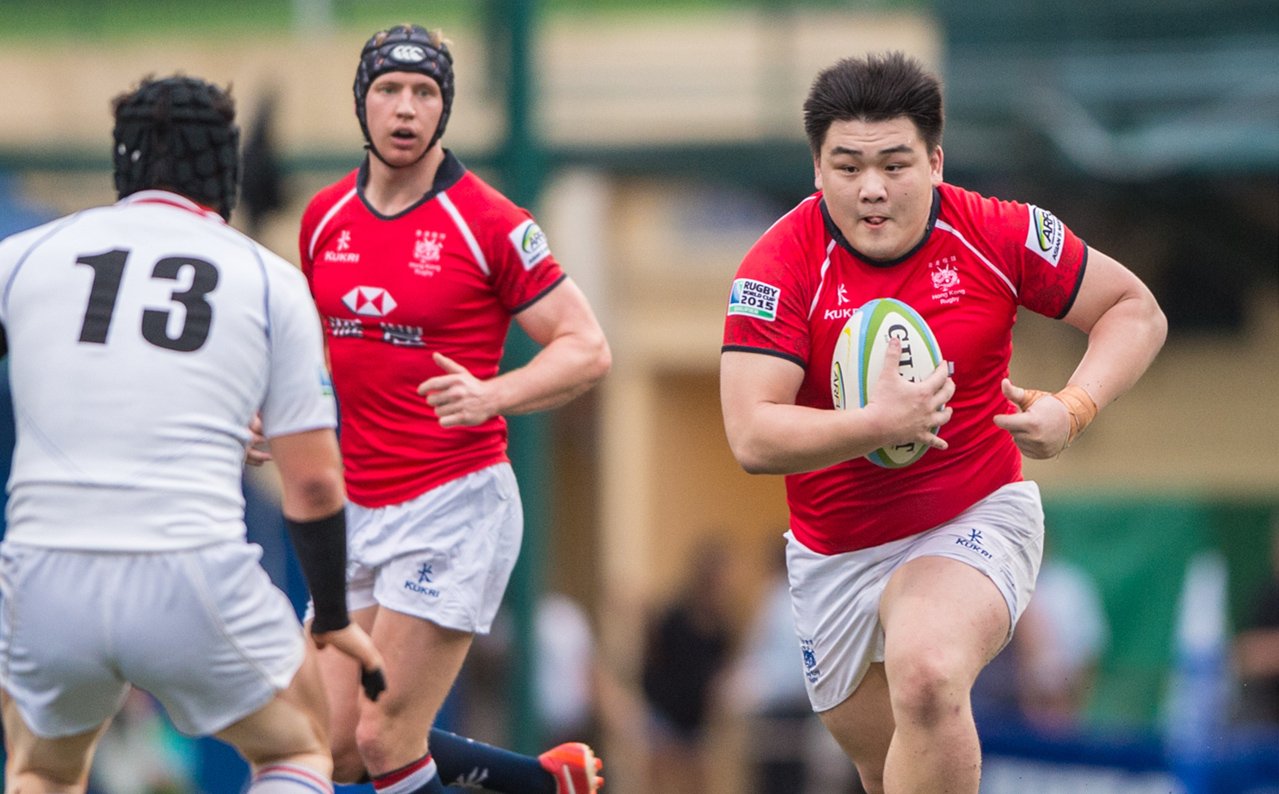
859	358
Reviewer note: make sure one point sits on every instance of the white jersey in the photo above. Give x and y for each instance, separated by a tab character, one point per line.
143	337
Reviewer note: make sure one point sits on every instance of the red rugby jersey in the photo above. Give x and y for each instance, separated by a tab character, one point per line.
445	275
979	260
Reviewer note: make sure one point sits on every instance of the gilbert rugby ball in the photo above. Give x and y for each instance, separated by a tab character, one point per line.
859	358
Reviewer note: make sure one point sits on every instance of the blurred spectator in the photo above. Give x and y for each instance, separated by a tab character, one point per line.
687	650
1059	643
566	671
1047	673
262	185
567	675
1257	650
788	751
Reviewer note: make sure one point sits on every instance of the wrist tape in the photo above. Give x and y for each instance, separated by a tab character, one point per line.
1079	404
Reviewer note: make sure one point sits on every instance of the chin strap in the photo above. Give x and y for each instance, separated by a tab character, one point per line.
1079	404
371	149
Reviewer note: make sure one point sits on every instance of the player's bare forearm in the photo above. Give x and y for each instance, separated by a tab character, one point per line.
774	438
1121	346
769	434
565	369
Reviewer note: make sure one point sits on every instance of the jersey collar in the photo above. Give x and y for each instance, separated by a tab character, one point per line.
446	176
834	231
171	199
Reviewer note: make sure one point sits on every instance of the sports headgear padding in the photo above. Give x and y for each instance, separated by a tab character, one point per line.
178	133
404	48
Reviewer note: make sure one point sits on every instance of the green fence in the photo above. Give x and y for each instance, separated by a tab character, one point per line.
1137	549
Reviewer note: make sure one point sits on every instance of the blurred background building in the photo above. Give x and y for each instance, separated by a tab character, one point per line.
656	139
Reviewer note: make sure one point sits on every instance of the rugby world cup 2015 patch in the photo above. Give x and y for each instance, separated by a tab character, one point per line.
754	299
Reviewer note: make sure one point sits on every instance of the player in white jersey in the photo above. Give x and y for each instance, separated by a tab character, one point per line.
143	338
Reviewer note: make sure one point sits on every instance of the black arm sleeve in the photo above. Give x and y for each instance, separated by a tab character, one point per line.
321	549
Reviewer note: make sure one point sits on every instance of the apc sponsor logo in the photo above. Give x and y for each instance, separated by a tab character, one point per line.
1046	236
531	243
369	301
754	299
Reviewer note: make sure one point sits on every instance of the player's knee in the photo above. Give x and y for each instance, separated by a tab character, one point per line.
926	690
373	740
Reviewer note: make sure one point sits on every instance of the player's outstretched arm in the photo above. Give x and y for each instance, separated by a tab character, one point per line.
769	434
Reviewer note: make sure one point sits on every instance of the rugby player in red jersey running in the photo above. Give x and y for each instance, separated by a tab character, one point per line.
906	582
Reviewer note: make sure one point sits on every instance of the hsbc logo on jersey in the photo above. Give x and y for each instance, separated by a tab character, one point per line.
1046	235
369	301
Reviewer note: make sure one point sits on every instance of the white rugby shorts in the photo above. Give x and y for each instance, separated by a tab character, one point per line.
203	630
445	556
835	597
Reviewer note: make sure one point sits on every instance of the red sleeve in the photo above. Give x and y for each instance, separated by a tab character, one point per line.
769	301
522	267
1052	261
1041	258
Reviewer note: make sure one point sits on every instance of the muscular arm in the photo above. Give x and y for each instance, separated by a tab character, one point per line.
574	356
1125	328
769	434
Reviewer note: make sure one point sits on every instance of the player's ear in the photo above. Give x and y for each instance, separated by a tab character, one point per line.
817	171
935	164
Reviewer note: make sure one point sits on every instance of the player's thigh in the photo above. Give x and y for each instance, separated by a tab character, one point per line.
446	556
35	762
954	599
942	614
422	661
292	726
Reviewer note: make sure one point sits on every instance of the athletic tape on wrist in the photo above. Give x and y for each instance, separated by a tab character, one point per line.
1079	404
